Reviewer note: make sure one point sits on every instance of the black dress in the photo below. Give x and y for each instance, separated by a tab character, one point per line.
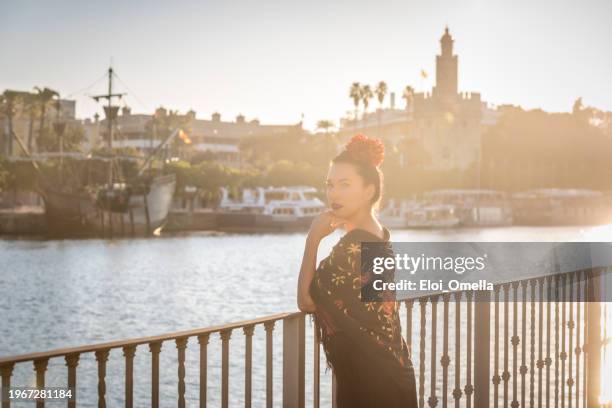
362	339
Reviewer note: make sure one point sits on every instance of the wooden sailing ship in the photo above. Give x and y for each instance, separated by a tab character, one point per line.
119	208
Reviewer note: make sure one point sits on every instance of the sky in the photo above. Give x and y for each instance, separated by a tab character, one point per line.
278	59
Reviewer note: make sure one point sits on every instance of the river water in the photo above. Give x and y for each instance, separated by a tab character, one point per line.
62	293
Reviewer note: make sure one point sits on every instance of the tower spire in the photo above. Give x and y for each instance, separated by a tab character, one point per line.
446	68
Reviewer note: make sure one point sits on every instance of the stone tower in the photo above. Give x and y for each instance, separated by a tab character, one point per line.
446	69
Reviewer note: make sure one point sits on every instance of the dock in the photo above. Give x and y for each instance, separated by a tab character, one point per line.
23	221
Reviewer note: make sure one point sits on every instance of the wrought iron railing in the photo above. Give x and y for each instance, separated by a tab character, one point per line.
502	348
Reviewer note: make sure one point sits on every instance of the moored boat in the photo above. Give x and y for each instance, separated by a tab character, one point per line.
269	209
432	216
139	210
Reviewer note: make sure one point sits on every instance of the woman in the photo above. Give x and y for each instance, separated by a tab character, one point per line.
361	337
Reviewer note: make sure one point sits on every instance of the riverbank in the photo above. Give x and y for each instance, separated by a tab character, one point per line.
26	220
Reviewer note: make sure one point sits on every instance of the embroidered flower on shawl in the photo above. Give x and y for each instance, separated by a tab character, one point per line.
353	249
337	279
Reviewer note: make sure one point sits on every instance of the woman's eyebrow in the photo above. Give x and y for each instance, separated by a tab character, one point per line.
342	179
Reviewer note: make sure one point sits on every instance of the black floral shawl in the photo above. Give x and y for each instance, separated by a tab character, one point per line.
336	289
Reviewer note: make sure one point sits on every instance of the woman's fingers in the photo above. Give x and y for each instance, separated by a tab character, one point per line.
338	222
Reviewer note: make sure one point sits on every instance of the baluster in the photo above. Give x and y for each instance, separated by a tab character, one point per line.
72	361
6	370
248	363
506	374
203	342
540	363
423	304
548	360
181	345
445	359
102	358
523	341
578	348
316	370
433	400
556	341
586	337
155	348
269	327
128	353
532	360
563	354
225	337
40	366
482	343
496	377
409	305
457	390
469	388
570	328
515	342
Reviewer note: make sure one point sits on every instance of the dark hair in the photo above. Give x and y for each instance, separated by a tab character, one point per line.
366	155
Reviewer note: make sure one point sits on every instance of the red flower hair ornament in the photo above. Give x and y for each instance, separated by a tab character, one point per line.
365	149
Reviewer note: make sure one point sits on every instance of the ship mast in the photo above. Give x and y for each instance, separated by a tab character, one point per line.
111	114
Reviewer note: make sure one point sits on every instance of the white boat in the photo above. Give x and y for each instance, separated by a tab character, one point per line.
475	207
562	207
270	208
432	216
394	214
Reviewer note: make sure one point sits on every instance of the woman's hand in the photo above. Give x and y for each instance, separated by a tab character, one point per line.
324	224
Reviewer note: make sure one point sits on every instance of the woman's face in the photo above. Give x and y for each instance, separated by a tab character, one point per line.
346	193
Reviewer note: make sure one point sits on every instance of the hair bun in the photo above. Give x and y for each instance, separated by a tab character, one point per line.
365	149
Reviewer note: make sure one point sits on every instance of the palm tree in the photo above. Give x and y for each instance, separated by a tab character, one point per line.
8	104
381	92
355	94
408	96
30	105
44	96
325	125
366	95
2	113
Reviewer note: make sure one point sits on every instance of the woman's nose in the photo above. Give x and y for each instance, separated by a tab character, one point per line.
331	194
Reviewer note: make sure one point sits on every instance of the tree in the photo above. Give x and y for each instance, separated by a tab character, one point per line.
8	106
366	95
31	106
44	97
325	125
355	94
381	92
577	106
4	174
408	95
73	138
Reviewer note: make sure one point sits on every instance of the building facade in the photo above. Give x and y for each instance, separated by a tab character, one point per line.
145	132
446	123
